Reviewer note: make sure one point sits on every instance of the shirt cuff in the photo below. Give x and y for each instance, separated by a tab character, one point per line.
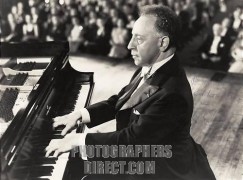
83	146
85	115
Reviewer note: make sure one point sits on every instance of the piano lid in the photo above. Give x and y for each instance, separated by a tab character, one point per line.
54	87
57	53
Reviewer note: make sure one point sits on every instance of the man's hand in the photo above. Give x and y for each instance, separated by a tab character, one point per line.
70	141
69	121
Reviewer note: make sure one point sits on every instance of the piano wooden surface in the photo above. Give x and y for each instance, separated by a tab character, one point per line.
59	90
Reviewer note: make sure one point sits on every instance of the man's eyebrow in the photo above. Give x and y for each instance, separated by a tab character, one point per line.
136	34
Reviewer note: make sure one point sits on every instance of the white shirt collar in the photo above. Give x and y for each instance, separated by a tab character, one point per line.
155	66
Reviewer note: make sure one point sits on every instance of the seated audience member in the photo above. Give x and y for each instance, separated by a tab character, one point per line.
131	20
102	37
177	8
38	17
97	38
228	33
222	6
114	14
12	31
201	19
90	32
75	37
30	30
20	13
237	21
56	30
237	54
119	40
214	51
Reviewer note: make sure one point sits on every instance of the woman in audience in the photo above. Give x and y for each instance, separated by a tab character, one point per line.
75	37
30	30
102	37
12	30
119	40
56	30
20	13
237	54
237	21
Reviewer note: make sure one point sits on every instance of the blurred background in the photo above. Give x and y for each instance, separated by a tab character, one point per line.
211	34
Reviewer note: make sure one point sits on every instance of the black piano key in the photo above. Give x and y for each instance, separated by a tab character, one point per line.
28	66
7	102
36	162
41	171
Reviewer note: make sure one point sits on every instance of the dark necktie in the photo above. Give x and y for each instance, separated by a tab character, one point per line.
124	99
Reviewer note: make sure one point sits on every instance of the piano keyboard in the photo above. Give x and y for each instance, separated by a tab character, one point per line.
42	133
62	160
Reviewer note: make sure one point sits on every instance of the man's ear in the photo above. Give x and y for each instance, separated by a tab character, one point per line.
164	43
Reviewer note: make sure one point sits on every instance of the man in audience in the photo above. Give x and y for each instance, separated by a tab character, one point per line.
215	51
155	108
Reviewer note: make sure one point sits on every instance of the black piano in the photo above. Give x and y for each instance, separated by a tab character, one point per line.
39	78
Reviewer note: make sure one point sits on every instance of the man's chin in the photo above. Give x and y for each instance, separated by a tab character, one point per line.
137	62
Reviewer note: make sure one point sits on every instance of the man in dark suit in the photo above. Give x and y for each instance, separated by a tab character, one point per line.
215	50
155	108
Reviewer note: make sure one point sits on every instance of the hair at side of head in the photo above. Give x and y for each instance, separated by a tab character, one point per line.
167	22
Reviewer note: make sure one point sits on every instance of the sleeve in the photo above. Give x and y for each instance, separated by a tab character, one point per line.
159	122
85	115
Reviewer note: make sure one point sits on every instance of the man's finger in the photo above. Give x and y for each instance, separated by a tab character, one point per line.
51	144
65	130
58	123
57	152
50	151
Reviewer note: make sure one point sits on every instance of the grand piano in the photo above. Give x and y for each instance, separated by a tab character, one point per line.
37	83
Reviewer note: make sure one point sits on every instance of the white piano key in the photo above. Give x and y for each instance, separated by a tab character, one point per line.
34	59
83	94
8	71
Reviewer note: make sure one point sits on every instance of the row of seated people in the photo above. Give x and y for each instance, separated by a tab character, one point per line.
220	49
98	27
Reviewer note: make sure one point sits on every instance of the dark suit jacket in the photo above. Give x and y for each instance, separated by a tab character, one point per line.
222	52
165	104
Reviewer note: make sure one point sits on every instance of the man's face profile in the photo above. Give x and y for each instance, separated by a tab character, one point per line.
145	42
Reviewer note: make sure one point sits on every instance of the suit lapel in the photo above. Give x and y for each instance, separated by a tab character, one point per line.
142	93
153	83
130	86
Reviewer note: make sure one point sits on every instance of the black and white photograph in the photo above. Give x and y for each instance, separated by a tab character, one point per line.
121	89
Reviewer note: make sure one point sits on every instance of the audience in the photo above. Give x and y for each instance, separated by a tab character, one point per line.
103	27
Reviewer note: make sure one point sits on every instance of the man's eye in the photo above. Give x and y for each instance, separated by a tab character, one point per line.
139	41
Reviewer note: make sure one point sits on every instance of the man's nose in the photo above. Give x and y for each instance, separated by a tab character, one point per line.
131	44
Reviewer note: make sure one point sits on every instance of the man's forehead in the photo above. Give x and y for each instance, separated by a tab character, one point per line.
144	25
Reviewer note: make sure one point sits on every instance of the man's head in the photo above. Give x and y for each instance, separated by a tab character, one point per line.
226	22
154	35
217	29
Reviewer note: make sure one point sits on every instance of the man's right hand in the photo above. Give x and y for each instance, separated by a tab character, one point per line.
68	120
